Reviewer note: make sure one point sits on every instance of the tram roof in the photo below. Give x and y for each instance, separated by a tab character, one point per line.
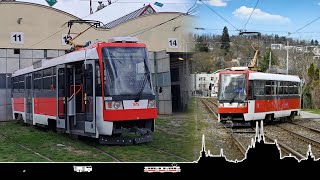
272	77
67	58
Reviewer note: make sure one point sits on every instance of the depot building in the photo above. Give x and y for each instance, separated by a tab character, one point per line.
31	32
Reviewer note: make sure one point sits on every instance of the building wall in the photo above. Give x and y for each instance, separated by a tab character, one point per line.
43	28
37	32
161	60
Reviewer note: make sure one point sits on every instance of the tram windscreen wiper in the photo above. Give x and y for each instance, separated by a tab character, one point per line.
146	77
113	57
234	97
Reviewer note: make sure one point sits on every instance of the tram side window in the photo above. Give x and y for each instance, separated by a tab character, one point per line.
285	87
290	88
15	84
47	78
280	87
259	88
37	80
54	79
270	88
251	89
296	89
28	82
21	83
98	81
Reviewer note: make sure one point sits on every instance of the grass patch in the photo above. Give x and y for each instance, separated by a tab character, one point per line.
178	134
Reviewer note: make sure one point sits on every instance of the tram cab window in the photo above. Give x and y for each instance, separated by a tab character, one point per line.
250	91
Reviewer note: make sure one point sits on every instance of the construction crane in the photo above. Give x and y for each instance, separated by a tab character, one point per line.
252	66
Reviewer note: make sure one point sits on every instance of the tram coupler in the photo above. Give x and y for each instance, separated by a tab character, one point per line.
234	124
118	140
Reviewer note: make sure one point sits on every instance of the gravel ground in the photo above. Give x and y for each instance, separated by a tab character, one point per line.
217	136
306	132
286	138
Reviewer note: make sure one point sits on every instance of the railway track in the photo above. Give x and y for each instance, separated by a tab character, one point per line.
302	137
285	148
106	154
310	128
237	141
171	154
210	108
242	148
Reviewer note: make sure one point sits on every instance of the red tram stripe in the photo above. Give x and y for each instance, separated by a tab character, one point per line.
18	104
276	105
232	110
129	114
45	106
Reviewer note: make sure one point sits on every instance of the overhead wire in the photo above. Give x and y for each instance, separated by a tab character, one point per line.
244	27
219	15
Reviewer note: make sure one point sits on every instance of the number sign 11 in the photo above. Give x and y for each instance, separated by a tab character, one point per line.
17	38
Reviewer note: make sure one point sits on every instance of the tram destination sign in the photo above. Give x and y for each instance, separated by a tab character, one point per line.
51	2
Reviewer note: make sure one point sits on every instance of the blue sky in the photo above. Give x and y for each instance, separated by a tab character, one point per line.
270	16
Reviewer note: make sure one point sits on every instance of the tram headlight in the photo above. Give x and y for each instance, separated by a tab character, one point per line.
116	105
151	104
113	105
221	105
242	105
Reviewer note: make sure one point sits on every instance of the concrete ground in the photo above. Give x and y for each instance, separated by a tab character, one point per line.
304	114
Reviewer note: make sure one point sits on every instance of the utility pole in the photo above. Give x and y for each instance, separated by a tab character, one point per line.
287	56
156	78
270	60
91	12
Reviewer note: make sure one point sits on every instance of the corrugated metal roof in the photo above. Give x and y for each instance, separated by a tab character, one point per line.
129	16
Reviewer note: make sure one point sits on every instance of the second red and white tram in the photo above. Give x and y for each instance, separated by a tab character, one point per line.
248	95
101	91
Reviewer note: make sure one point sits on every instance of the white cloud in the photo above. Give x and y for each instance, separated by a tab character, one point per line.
258	15
218	2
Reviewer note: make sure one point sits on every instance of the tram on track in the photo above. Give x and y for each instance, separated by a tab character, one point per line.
101	91
246	95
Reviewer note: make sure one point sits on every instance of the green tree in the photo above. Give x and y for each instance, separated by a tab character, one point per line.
225	40
316	43
316	74
201	44
264	63
312	42
311	71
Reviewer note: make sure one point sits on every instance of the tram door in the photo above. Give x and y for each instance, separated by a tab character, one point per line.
61	93
28	97
89	97
65	99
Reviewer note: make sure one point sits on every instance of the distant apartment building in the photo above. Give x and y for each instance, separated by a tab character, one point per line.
276	46
201	82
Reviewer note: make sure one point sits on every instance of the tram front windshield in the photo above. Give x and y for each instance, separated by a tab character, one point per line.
232	87
127	71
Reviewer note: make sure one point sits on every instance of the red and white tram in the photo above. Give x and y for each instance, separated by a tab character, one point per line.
101	91
248	95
